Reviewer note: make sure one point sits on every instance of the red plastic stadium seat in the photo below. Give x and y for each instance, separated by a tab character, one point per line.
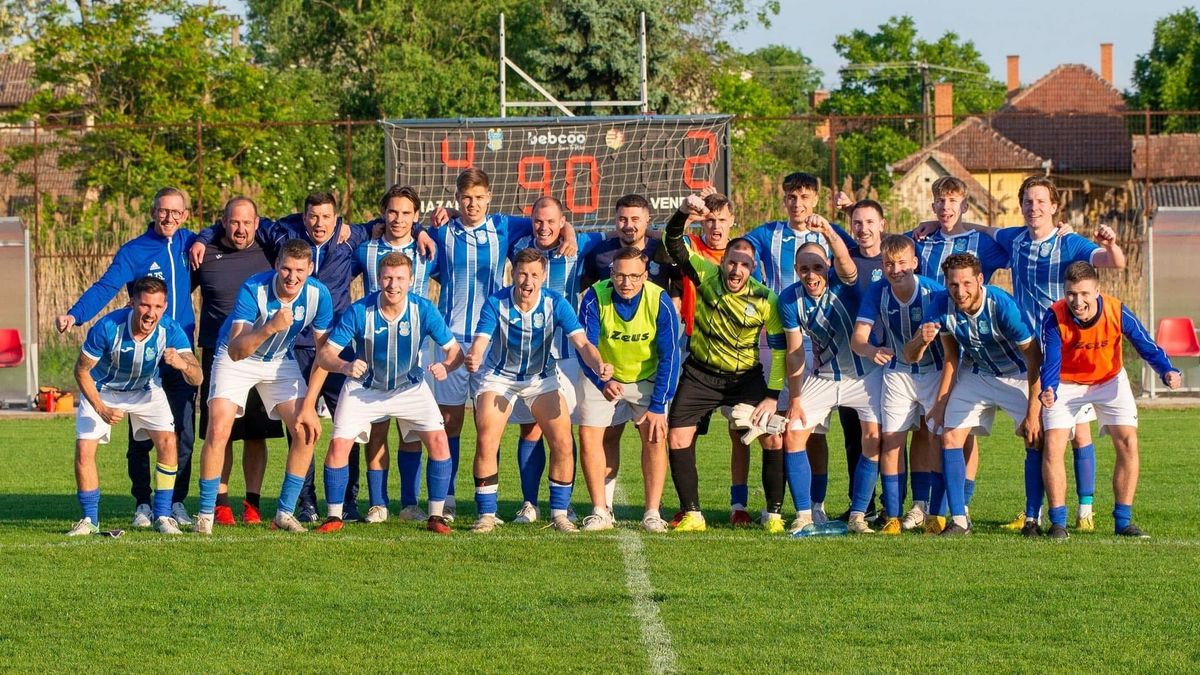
1177	336
11	351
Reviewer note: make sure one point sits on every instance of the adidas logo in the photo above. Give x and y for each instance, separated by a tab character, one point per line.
154	267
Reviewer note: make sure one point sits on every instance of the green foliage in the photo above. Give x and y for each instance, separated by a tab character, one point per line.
1168	76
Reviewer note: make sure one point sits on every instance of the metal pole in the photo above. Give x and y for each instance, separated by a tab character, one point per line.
37	196
346	206
645	83
833	173
503	71
199	171
31	337
991	160
1148	375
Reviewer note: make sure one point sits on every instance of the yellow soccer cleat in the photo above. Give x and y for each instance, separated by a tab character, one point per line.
935	524
691	522
892	526
1085	524
1015	524
774	525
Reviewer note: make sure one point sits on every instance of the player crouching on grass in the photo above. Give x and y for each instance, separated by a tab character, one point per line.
633	324
385	381
524	317
118	375
1082	335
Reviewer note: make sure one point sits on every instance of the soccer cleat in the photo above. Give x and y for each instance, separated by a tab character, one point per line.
914	518
351	514
571	516
774	524
332	524
934	524
819	517
1058	533
223	515
528	513
166	525
412	512
450	508
84	526
286	522
953	529
436	524
740	517
1016	524
675	519
1132	531
799	523
204	523
691	522
1031	529
654	524
893	526
1085	524
486	523
141	516
379	514
308	514
180	514
563	524
597	522
250	514
858	524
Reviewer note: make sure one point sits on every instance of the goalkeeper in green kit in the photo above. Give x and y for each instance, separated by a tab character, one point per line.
723	368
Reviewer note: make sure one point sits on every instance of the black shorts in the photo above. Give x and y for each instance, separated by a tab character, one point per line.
702	391
253	425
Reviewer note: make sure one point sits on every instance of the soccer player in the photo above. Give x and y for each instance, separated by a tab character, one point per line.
227	264
385	379
118	375
723	368
1082	334
157	253
522	319
953	235
900	303
634	326
991	362
633	223
255	350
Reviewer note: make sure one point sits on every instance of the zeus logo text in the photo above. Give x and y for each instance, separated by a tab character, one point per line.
628	337
569	139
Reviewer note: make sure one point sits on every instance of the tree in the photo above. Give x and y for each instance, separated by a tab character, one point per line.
1168	76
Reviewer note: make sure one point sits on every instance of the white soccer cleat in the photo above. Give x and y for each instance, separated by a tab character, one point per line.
379	514
800	522
204	523
563	524
598	522
858	524
180	514
142	516
287	522
449	509
413	512
486	523
819	517
914	519
85	526
166	525
528	513
654	524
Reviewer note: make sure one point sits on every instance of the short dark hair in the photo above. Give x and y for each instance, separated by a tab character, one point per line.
635	201
296	249
897	243
399	190
800	180
741	242
396	259
867	204
147	285
962	261
240	199
319	199
1038	181
815	248
717	201
1081	271
630	253
472	177
529	255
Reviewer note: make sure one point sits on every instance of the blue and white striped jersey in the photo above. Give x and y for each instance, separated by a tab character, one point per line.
126	364
257	302
521	341
391	349
776	244
470	266
989	341
829	322
935	248
902	320
1038	267
369	253
562	276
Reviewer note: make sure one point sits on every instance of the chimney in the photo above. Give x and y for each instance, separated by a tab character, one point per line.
1014	73
943	108
1106	62
815	100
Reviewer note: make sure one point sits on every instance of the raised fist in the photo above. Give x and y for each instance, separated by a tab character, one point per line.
281	320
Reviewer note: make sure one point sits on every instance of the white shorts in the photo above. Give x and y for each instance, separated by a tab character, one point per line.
147	410
976	397
785	394
276	381
596	411
1113	401
568	375
358	407
459	387
513	390
906	397
821	395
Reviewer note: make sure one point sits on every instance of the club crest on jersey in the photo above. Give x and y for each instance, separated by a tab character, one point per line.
1045	249
495	139
914	312
984	327
151	353
876	275
960	245
299	313
405	328
653	268
539	320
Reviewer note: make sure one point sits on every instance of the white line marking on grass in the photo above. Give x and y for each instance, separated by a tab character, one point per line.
655	635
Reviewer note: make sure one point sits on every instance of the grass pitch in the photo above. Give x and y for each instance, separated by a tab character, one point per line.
393	597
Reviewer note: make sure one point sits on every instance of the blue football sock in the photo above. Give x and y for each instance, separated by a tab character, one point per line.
208	495
1122	516
437	479
799	479
1085	472
453	441
290	491
891	495
739	494
89	503
164	489
954	473
1058	515
937	493
375	478
903	488
486	499
922	485
531	464
410	477
560	497
820	486
969	491
1033	483
336	479
385	495
865	475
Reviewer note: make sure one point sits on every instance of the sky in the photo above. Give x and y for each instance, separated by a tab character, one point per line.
1044	34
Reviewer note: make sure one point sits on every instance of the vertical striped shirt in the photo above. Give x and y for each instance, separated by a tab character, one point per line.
126	364
934	249
902	320
990	340
470	267
258	301
562	275
369	253
1038	267
521	340
776	244
391	348
828	321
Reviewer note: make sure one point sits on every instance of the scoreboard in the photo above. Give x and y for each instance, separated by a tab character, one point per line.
586	162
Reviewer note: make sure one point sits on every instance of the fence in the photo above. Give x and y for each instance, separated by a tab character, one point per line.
84	190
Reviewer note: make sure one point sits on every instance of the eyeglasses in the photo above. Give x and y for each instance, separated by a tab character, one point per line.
622	278
177	214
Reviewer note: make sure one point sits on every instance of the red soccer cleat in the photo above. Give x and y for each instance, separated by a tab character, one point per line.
250	514
677	517
223	515
438	525
740	517
331	524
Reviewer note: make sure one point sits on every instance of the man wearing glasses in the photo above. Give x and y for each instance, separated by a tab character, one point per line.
160	252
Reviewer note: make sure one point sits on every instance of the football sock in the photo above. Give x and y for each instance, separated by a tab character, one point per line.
1033	483
1122	516
891	495
1058	515
453	442
223	499
290	492
336	479
487	494
437	482
375	484
683	474
799	479
969	492
560	498
253	498
1085	477
773	479
922	484
739	495
865	475
937	493
610	492
409	464
387	498
208	494
531	463
820	487
903	488
954	473
89	503
164	488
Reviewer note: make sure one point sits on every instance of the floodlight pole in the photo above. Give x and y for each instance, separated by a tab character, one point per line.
503	72
642	49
